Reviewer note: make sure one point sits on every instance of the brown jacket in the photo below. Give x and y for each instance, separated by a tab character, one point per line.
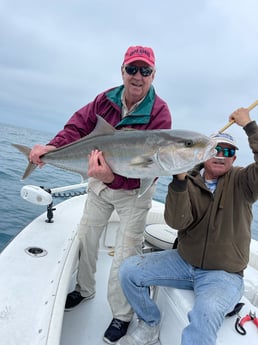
215	229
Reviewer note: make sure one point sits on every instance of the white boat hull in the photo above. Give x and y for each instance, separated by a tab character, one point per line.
33	288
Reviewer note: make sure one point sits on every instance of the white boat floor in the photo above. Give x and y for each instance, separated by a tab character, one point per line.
86	324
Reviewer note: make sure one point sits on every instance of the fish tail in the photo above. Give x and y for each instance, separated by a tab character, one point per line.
26	151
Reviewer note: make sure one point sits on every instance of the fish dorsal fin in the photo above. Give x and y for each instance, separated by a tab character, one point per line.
102	128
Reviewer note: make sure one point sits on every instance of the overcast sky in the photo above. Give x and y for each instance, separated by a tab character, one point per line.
57	55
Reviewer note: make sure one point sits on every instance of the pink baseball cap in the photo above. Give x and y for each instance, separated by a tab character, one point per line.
136	53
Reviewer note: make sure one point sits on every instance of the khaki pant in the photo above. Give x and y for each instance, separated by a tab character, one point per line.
132	212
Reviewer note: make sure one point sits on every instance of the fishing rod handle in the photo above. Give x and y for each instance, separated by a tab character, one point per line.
253	105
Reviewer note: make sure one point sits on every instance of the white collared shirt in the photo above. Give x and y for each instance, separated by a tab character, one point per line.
125	110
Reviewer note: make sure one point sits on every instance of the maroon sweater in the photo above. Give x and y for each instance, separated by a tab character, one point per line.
152	113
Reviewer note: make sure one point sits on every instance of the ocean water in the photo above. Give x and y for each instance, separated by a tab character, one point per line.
15	212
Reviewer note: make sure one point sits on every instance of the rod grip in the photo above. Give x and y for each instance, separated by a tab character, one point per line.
253	105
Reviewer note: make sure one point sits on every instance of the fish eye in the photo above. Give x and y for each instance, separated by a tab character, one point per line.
188	143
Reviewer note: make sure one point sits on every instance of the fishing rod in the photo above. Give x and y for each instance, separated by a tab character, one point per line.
253	105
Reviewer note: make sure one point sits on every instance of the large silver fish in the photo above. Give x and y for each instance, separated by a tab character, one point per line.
143	154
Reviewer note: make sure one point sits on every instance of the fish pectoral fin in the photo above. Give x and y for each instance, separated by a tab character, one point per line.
143	161
145	184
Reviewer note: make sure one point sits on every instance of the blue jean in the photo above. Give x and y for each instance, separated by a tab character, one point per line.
216	292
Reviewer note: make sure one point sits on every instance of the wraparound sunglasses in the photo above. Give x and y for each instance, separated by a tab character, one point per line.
132	70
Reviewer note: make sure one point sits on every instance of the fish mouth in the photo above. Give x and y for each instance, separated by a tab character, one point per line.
211	152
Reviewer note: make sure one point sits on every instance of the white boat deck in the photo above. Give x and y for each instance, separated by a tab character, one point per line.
33	288
87	323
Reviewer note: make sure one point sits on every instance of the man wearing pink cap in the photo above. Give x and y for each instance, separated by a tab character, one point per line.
134	104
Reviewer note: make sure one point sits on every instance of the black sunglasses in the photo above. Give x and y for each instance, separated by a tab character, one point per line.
227	152
132	70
